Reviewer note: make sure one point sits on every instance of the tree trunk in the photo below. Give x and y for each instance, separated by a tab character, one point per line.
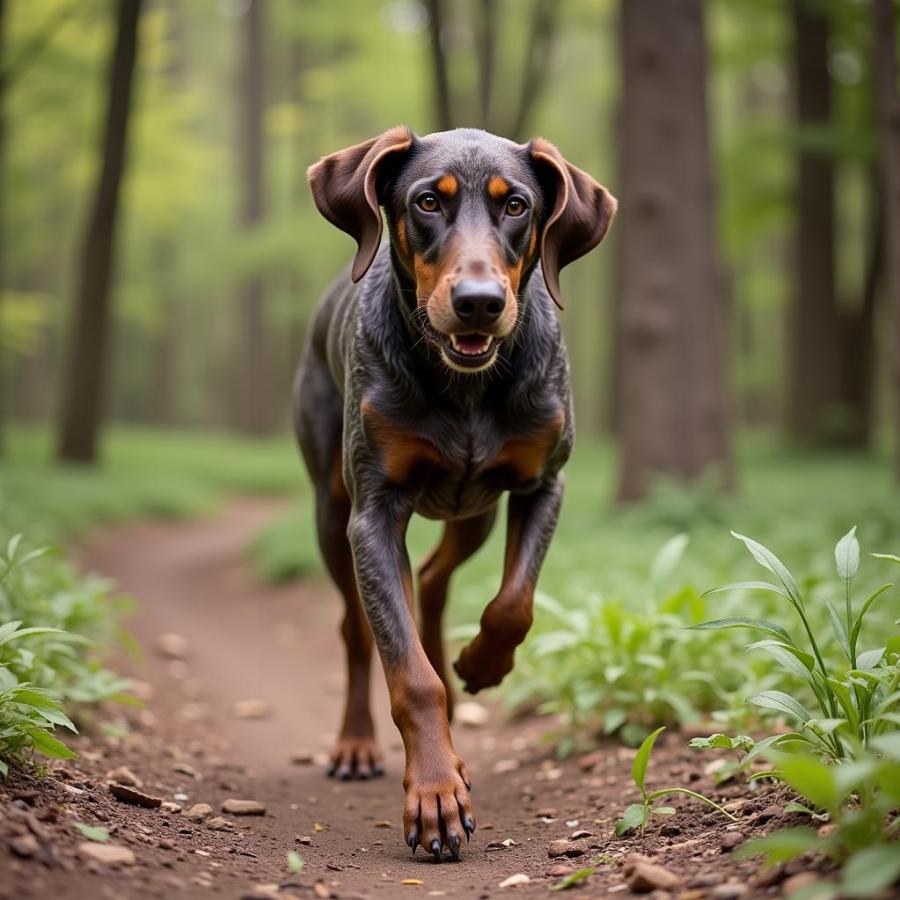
674	414
813	346
255	404
83	401
486	37
436	20
886	73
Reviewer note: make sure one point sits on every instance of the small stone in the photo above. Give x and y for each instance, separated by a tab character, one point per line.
502	766
513	880
133	796
172	646
302	758
659	895
304	839
472	714
694	894
730	840
169	806
217	823
124	775
244	807
106	854
184	768
559	871
729	891
252	709
633	860
648	877
199	811
670	829
798	882
24	845
578	835
563	847
546	812
704	880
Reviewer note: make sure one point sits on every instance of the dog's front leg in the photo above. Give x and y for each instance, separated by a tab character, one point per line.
438	808
506	619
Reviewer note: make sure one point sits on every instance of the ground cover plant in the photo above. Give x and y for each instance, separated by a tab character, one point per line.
841	750
54	625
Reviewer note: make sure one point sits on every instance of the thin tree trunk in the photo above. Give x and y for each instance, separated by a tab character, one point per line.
544	19
255	385
83	400
436	21
886	74
813	346
674	412
486	35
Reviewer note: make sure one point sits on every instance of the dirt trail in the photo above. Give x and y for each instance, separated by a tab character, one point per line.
279	646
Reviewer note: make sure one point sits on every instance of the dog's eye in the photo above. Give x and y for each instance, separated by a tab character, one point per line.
428	203
515	206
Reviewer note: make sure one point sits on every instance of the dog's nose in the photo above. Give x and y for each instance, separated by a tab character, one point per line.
478	303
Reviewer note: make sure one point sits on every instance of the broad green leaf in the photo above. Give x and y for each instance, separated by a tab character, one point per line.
28	632
770	628
839	629
780	846
811	778
771	741
870	871
93	832
574	878
635	816
781	702
747	586
794	807
847	701
808	660
867	661
849	776
4	769
765	557
45	743
846	555
642	759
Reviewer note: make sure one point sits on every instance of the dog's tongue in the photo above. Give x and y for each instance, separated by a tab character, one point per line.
472	344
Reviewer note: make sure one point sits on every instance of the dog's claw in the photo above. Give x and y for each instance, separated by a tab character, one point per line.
377	771
454	846
436	849
413	841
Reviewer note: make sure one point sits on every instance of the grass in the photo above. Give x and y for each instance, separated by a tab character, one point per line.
143	472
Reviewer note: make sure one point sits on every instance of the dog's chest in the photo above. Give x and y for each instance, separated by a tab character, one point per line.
459	466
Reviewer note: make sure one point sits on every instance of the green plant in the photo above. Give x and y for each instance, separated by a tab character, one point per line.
857	696
637	815
51	620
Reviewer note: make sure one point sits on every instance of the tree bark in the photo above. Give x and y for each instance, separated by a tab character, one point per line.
674	414
886	73
486	35
83	400
544	19
442	106
2	227
813	346
255	385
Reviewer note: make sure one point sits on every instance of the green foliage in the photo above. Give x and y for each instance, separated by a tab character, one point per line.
637	815
52	620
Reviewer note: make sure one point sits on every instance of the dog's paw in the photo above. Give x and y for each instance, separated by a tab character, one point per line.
481	665
439	810
356	757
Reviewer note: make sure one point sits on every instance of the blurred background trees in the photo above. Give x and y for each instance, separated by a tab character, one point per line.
751	282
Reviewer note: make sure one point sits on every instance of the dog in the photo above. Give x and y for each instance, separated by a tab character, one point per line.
434	380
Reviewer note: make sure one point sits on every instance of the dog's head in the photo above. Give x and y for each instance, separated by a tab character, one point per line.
470	214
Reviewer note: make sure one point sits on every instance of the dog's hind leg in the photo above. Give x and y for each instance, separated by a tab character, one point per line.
460	540
319	429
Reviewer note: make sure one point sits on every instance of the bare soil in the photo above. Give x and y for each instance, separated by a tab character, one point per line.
246	708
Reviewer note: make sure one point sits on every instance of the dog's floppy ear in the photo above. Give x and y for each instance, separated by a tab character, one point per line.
345	188
580	212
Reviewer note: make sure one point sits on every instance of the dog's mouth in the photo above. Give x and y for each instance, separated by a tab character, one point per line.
471	351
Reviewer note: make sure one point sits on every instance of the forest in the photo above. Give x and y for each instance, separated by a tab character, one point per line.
710	690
